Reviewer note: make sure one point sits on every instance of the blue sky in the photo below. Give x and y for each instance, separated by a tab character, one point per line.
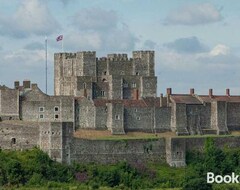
196	43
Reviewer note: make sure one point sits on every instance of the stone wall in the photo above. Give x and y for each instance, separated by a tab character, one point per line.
115	121
18	136
112	151
163	119
139	119
85	114
233	116
9	104
55	139
37	106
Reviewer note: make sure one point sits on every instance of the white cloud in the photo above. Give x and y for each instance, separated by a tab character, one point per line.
194	14
200	70
100	30
220	50
31	17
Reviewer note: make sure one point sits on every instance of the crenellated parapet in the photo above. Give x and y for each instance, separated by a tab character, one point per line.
117	57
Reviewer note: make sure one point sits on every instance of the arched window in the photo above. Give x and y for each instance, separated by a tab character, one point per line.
13	141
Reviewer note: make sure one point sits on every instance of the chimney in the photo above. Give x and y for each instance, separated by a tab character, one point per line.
227	92
26	84
191	91
34	86
135	94
210	93
16	84
169	91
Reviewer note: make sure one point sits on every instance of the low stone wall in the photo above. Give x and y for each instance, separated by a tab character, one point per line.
14	136
112	151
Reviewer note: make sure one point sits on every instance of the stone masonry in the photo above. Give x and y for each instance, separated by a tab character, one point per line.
114	93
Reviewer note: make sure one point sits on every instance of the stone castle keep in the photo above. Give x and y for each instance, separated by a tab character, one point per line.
118	94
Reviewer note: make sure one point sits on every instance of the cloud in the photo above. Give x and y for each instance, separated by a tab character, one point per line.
195	14
200	71
31	17
220	50
34	46
24	64
149	44
95	19
187	45
99	30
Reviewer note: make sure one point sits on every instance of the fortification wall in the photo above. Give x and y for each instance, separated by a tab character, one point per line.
101	117
55	139
9	104
112	151
148	86
139	119
18	136
86	114
233	116
163	119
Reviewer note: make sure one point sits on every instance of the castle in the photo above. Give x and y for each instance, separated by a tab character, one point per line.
113	93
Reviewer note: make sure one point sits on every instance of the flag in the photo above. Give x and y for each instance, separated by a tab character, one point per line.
59	38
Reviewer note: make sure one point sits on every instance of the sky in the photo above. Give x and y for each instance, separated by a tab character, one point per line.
196	43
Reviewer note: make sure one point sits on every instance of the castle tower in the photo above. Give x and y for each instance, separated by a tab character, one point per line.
143	63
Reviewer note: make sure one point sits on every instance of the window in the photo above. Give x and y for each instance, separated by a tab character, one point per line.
117	117
137	73
13	141
134	85
56	108
106	109
105	73
125	85
84	85
138	118
41	116
56	116
102	93
41	109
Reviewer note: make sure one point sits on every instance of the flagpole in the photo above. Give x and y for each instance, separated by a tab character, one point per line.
46	64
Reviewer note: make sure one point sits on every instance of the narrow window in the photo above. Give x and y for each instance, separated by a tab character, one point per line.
134	85
56	108
117	117
105	73
56	116
13	141
41	109
136	110
84	85
102	93
137	73
138	118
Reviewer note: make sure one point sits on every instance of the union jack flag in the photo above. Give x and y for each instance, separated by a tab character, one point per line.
59	38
